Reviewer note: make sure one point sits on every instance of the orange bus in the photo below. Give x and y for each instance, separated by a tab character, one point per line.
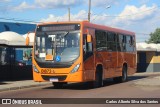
81	52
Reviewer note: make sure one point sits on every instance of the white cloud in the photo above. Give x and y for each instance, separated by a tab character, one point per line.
82	15
144	19
103	2
138	19
23	6
133	13
61	4
46	4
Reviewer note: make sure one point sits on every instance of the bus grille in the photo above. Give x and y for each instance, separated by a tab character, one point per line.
60	78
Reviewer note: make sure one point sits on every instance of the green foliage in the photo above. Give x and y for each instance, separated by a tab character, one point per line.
155	36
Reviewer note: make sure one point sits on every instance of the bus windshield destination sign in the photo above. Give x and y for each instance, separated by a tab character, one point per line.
59	27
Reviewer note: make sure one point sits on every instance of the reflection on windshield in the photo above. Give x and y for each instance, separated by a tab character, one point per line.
58	46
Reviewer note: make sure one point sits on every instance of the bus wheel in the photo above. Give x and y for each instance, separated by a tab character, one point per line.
98	80
58	84
122	78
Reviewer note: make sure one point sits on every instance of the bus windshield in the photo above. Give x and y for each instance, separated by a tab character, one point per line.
63	46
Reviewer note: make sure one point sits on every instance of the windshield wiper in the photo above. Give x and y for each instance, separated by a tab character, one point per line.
66	33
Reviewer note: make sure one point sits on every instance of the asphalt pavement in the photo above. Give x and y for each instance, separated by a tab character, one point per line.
152	79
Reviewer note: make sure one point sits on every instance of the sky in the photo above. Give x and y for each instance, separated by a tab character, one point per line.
139	16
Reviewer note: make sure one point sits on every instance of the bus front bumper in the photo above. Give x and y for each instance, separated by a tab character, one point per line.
71	77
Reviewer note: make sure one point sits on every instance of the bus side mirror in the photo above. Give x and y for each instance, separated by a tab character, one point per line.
27	40
89	38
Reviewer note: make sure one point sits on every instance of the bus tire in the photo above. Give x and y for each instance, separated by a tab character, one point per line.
58	84
98	79
122	78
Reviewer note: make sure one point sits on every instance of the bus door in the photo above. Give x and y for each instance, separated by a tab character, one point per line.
88	56
108	63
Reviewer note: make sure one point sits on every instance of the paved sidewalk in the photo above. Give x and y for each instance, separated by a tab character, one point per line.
15	85
152	81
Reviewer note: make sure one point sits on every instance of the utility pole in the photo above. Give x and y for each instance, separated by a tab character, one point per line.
69	18
89	11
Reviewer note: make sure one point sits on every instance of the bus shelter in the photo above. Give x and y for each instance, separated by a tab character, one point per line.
15	57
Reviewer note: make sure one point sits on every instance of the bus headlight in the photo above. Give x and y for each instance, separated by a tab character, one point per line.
35	69
75	68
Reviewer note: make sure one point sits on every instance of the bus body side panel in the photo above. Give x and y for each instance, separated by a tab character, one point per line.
113	66
89	71
120	62
130	59
89	63
103	58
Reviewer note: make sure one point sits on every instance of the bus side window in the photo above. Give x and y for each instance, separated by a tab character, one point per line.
111	41
120	42
87	48
124	43
101	40
131	40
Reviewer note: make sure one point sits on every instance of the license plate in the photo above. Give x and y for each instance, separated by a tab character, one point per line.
47	71
53	79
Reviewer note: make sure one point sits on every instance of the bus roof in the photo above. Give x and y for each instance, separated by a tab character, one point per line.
107	28
91	25
63	22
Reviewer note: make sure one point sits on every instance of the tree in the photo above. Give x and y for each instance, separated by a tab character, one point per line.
155	36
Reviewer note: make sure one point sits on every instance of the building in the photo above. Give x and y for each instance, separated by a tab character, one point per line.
15	56
148	57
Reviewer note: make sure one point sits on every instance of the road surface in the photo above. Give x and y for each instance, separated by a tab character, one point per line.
80	90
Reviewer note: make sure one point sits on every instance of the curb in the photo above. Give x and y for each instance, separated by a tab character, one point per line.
147	74
23	87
